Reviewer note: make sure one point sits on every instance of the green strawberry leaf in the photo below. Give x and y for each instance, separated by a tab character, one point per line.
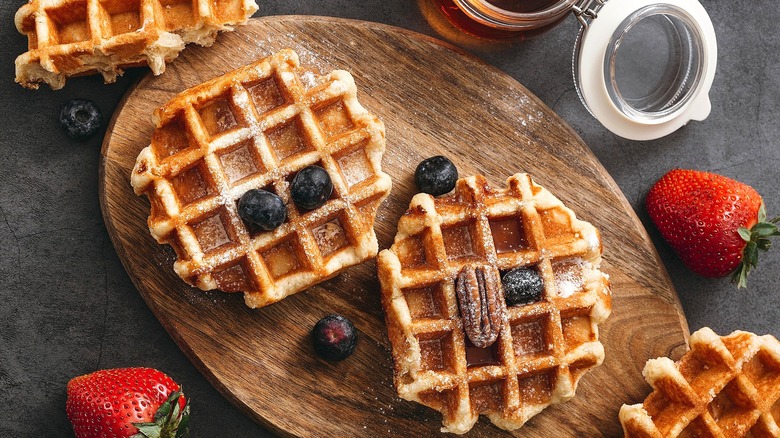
757	239
764	229
170	420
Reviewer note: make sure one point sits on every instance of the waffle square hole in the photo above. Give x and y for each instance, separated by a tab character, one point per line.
764	373
509	234
487	396
479	357
459	241
731	407
266	95
331	236
28	28
230	11
289	139
234	277
240	162
285	258
426	302
178	14
436	351
193	184
354	164
665	411
577	328
581	366
530	339
568	274
703	375
440	400
334	119
556	224
411	252
125	15
697	429
171	138
214	232
218	115
537	388
70	22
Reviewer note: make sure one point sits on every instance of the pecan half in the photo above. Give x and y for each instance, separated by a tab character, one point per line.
481	302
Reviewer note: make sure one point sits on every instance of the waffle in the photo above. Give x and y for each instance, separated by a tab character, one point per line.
77	37
543	348
252	128
723	387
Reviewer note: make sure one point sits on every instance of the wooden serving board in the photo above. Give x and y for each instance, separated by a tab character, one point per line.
434	99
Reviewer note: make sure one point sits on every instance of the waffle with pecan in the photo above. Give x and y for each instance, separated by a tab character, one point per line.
256	128
458	346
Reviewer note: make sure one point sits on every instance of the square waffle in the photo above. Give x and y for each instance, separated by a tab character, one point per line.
253	128
543	348
77	37
723	387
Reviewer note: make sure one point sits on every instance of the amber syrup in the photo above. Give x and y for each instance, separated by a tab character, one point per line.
459	19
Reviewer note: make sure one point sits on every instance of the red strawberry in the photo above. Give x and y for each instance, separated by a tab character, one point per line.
124	402
715	224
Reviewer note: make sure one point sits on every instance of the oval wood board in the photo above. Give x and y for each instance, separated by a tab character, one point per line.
434	99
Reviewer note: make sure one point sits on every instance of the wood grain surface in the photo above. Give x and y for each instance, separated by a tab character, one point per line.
434	99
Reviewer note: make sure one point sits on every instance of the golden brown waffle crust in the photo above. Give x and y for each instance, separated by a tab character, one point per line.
724	386
77	37
561	359
333	129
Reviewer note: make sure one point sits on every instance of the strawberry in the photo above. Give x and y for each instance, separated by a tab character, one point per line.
715	224
125	402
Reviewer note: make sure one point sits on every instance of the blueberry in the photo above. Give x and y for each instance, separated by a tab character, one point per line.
436	175
262	209
334	338
522	286
80	118
311	187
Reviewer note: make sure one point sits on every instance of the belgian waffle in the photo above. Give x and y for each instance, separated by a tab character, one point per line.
723	387
77	37
543	348
256	127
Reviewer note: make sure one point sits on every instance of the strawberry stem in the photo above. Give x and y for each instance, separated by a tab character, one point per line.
758	239
170	420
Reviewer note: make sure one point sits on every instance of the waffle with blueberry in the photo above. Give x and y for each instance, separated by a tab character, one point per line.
77	37
264	183
492	299
723	387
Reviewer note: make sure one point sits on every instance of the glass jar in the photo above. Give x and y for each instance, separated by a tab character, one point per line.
501	19
643	68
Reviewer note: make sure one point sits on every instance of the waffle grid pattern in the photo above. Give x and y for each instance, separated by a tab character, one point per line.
543	348
70	37
723	387
253	128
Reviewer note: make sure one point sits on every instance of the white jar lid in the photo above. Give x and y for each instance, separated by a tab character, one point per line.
644	68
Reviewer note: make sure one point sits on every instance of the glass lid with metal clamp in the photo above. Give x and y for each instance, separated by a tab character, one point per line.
643	68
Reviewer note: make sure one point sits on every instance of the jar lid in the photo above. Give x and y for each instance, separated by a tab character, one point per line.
644	68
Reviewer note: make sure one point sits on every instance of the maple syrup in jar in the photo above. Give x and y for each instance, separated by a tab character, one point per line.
504	19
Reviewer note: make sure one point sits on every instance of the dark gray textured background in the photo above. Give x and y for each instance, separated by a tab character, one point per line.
69	308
